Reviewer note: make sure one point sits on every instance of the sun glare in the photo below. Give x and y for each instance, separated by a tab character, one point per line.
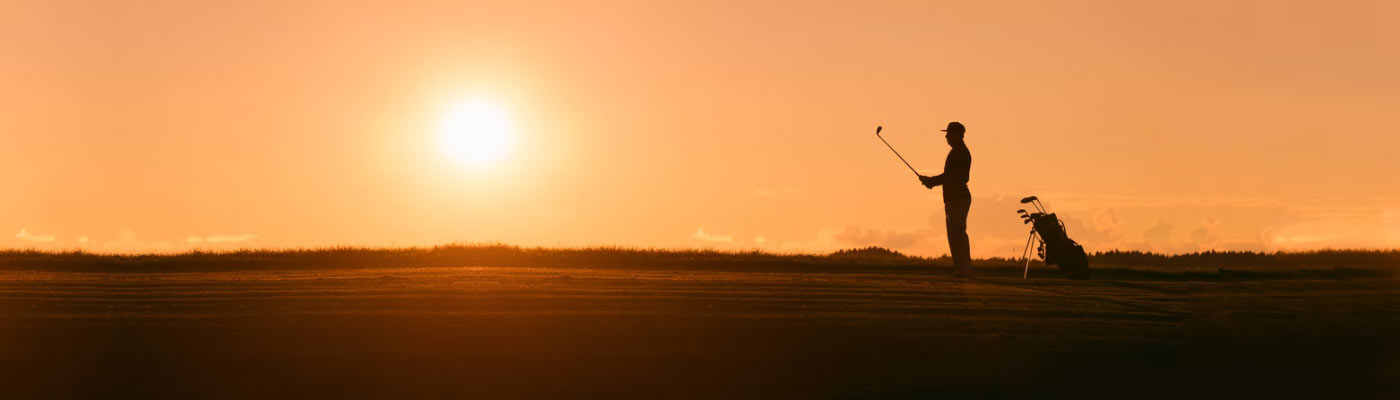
476	133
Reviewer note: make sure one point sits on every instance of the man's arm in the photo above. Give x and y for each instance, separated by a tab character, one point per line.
931	181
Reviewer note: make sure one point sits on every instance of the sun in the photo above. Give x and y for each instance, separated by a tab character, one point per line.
476	133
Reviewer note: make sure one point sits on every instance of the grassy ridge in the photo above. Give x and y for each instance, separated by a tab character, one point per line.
872	259
499	255
1245	259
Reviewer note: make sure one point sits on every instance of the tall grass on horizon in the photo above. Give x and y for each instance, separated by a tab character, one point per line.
443	255
499	254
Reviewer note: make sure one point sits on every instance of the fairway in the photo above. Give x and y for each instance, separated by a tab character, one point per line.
492	332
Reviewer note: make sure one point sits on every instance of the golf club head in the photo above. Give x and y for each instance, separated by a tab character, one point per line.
877	129
1026	221
1029	199
1022	211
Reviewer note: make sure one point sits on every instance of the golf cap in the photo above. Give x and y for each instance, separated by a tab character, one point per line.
955	127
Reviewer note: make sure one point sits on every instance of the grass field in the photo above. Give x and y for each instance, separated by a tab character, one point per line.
689	325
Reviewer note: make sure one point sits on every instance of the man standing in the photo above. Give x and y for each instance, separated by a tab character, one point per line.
956	197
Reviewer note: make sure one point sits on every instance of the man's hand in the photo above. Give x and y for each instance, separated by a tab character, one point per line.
928	181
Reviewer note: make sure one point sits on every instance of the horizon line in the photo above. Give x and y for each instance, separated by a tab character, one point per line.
605	247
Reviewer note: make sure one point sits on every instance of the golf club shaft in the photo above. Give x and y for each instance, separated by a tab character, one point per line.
896	153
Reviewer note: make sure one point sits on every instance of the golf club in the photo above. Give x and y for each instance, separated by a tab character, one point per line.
1034	201
896	152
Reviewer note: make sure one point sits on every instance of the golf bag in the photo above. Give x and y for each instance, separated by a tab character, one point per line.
1055	246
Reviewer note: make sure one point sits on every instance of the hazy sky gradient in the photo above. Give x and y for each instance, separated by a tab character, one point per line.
1167	125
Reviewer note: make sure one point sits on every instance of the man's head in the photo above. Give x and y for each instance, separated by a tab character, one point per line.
955	132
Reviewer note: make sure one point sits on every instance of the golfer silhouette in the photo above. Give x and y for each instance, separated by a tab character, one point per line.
957	199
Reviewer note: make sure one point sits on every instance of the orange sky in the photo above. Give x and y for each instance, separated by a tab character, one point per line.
1167	125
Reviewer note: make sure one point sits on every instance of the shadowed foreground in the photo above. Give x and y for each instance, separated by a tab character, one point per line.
491	332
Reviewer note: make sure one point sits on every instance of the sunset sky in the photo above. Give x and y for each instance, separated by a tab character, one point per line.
1170	126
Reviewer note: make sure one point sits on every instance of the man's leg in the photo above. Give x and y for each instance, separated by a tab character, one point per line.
955	213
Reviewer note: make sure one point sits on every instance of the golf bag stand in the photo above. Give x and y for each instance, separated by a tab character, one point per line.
1026	255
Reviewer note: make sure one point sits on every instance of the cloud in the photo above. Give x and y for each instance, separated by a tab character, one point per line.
1106	220
127	242
823	242
220	239
700	234
1305	239
1204	236
24	234
83	240
760	240
895	239
1160	233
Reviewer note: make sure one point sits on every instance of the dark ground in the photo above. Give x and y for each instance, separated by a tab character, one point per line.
578	332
